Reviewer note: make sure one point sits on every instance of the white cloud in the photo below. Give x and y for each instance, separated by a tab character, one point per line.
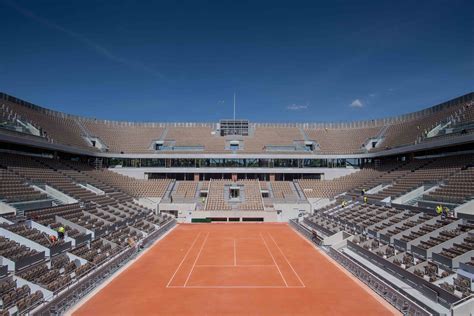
356	104
372	95
296	107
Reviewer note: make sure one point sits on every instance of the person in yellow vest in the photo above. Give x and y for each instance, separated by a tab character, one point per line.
344	203
365	199
61	231
439	209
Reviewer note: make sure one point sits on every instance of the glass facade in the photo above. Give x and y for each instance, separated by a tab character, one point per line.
234	163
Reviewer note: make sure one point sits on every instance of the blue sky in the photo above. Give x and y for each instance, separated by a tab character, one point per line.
288	61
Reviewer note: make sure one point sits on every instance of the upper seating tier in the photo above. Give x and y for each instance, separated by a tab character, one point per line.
327	138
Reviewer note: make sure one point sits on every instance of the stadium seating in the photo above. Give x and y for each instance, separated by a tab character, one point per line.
132	186
457	188
332	138
217	201
121	137
283	190
382	212
331	188
264	137
342	141
15	190
185	190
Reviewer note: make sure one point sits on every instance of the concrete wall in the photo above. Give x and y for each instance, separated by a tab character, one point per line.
463	308
317	203
282	212
58	195
268	216
409	196
291	211
185	210
137	173
148	202
5	208
333	173
5	221
7	262
466	208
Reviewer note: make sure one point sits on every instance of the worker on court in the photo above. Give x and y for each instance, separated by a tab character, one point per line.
439	209
61	231
365	199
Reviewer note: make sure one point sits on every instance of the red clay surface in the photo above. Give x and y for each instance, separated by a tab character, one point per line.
233	269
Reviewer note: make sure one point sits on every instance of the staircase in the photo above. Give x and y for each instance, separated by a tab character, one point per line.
299	191
82	128
164	134
169	190
302	132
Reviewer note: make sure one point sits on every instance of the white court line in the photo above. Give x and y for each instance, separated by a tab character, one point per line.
236	287
284	256
235	254
265	243
199	254
349	275
231	265
191	247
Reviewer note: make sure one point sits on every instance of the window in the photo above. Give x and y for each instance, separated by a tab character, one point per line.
234	193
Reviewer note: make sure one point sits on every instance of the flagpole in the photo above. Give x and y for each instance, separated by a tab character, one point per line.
234	106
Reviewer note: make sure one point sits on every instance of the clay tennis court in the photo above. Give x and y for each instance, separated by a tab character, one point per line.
234	269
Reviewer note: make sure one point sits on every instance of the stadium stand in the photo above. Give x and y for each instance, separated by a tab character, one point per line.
366	192
457	188
132	186
55	127
124	138
342	141
186	190
127	137
265	138
96	227
193	138
424	172
282	190
218	196
15	190
331	188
